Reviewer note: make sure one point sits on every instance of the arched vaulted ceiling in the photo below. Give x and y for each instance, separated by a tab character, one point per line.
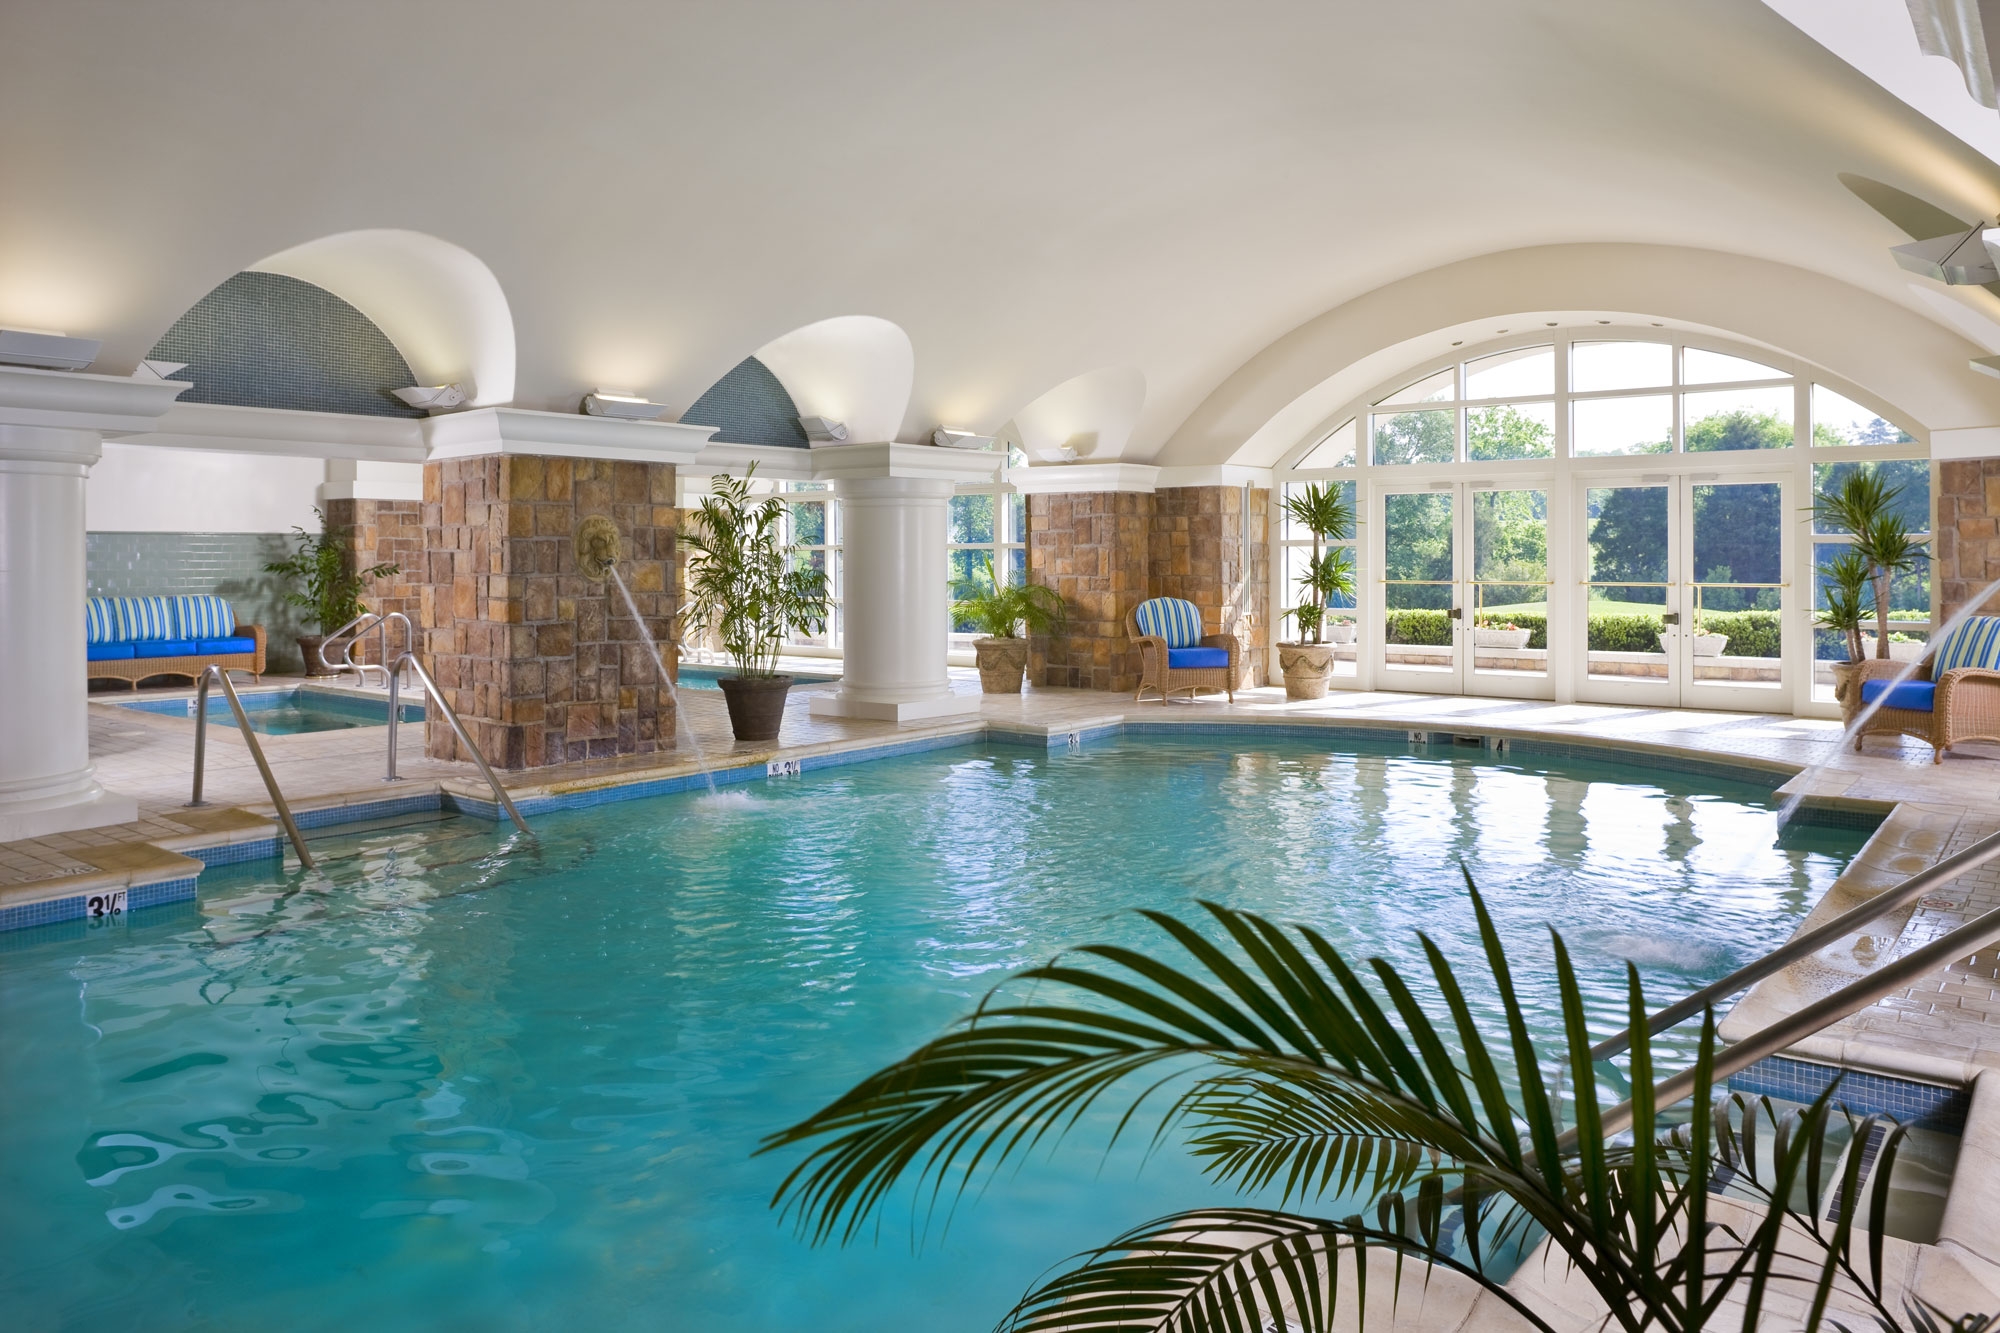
1030	191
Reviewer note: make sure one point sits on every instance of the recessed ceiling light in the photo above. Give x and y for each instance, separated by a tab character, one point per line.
1459	343
1551	324
1603	321
1503	330
1658	325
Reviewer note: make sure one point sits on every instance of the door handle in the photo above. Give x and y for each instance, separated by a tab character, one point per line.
1457	613
1672	618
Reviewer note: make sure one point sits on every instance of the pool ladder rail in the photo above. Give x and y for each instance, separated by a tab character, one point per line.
393	673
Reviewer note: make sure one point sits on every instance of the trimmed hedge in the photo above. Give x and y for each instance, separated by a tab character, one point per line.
1751	633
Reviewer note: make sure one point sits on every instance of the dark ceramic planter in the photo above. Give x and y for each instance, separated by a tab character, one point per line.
756	705
309	649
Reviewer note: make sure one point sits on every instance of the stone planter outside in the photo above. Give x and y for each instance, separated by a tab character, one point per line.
1307	666
1912	651
1340	633
1002	664
1484	637
1710	645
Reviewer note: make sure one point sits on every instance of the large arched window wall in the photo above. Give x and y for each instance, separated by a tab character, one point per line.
1585	513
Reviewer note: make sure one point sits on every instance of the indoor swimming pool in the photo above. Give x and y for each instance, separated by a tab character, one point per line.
461	1079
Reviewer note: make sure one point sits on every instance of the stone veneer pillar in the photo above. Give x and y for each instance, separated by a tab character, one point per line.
893	549
1967	539
1108	550
385	532
543	665
52	429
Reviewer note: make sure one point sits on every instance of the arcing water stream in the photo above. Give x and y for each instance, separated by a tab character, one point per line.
1803	783
681	723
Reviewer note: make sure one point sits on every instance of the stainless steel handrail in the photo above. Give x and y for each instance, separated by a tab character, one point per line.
356	630
1811	941
465	740
256	752
1979	933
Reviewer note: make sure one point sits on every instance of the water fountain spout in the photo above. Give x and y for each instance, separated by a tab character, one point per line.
1803	783
681	724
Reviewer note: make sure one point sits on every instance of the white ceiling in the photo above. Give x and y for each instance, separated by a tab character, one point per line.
1032	191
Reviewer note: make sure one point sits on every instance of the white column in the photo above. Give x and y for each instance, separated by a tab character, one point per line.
895	595
52	428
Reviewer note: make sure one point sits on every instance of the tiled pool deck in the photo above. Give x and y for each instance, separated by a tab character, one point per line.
1944	1031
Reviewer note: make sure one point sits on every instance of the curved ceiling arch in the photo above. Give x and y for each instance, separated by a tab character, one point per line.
437	302
855	369
1274	399
1092	413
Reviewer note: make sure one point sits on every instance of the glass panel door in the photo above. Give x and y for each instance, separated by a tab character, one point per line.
1631	608
1420	586
1737	595
1508	592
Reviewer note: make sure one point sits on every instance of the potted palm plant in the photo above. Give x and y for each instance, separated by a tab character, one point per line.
1864	505
324	583
1001	613
1307	662
1847	577
750	591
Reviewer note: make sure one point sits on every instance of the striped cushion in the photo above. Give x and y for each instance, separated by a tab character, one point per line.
1975	643
142	618
100	620
204	617
1174	620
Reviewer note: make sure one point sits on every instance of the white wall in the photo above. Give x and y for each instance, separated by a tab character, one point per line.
136	488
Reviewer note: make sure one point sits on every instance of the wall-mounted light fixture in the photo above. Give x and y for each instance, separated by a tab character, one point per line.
1061	453
1956	261
819	430
157	371
46	351
947	438
623	404
435	398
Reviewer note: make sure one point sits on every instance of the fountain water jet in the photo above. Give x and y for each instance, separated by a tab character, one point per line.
1805	780
597	552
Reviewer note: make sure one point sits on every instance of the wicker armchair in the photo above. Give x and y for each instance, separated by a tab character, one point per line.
1964	700
1175	655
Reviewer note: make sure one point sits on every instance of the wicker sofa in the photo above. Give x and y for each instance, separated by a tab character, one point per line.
1953	697
1175	655
131	638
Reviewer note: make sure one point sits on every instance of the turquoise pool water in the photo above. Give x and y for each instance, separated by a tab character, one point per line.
288	712
704	678
459	1081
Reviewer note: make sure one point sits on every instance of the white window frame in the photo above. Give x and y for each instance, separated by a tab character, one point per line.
1010	534
1559	473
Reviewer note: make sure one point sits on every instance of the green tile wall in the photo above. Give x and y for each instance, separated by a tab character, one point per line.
228	564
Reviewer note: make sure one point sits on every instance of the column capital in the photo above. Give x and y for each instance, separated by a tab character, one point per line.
886	460
1084	478
515	430
65	400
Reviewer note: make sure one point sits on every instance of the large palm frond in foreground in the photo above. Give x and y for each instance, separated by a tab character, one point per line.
1282	1066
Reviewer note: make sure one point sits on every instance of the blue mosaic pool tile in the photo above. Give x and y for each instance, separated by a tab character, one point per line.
1913	1104
235	853
46	912
416	803
154	895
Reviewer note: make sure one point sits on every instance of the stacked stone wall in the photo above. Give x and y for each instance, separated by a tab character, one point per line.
542	664
1968	532
385	532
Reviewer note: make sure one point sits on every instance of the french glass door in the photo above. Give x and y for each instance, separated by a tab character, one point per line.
1465	589
1684	591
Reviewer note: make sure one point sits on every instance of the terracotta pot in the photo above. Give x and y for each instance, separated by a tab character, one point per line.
1002	663
756	705
1307	667
309	649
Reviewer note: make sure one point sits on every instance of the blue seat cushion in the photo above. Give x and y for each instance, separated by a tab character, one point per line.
1197	657
165	647
107	652
1919	696
209	646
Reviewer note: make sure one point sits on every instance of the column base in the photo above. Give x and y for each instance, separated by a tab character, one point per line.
94	811
836	703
